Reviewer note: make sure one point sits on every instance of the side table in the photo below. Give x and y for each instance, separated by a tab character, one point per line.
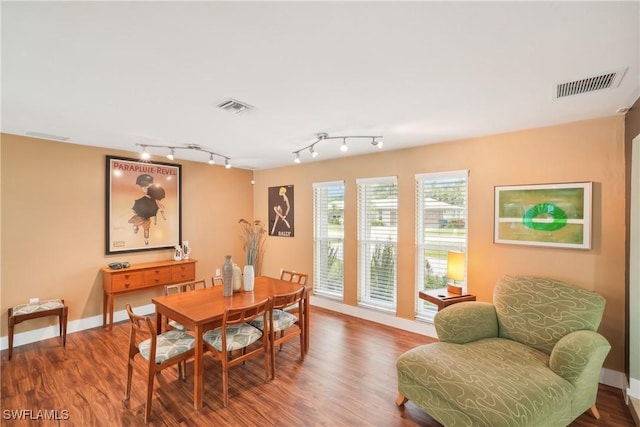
442	298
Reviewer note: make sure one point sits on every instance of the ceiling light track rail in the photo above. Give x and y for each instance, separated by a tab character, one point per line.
376	140
145	155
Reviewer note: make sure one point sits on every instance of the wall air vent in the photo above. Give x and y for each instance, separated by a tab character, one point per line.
604	81
234	106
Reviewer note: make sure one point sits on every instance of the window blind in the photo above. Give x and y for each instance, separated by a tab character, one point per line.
328	239
441	226
377	241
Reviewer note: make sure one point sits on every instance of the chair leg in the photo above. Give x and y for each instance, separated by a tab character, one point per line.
225	381
272	350
127	391
147	408
401	400
63	325
594	412
11	326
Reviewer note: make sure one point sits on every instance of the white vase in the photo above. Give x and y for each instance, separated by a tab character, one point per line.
186	249
177	254
249	275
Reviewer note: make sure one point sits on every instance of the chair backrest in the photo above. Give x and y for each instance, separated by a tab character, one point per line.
538	311
184	287
288	299
140	325
292	276
217	280
245	314
199	284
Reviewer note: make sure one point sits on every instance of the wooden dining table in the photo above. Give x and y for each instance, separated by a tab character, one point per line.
202	310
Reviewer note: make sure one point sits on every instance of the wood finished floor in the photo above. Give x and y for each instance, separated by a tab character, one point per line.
347	379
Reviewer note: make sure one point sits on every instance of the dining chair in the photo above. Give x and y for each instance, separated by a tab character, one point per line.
217	280
236	333
301	278
286	325
292	276
178	288
160	351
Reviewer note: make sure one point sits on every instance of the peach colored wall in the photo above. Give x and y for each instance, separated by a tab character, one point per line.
53	223
583	151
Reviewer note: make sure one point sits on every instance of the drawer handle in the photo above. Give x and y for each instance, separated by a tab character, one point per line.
126	285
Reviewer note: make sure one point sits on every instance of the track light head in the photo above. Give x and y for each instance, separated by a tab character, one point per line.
227	164
171	154
145	154
296	157
313	152
377	142
344	147
211	161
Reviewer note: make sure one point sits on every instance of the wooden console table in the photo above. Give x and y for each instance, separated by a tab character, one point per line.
140	277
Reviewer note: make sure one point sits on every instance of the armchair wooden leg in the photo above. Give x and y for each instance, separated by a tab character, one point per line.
401	400
594	412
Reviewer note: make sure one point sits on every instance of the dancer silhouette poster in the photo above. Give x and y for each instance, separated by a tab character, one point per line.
143	205
281	213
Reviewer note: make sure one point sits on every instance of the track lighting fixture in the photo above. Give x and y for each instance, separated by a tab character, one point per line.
145	155
376	141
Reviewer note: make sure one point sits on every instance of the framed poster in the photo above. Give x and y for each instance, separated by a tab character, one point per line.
143	205
281	212
554	215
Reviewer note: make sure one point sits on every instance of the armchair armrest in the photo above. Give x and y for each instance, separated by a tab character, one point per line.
579	355
466	322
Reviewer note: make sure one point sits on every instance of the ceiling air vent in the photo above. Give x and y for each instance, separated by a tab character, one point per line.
604	81
234	106
47	136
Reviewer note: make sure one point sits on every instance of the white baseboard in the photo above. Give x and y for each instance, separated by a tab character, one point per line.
35	335
607	376
422	328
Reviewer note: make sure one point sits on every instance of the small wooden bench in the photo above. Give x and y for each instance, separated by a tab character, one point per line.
22	312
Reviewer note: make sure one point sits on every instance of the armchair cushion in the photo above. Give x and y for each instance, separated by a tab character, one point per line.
538	311
466	322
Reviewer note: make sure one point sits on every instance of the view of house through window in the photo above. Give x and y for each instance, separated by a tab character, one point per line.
377	242
441	226
328	239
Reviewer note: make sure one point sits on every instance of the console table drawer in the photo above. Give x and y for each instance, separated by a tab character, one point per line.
128	280
158	276
183	273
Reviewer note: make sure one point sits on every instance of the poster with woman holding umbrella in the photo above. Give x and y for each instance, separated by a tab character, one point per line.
143	205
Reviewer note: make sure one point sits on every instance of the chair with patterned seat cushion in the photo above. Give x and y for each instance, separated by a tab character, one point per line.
294	277
283	322
236	333
176	289
22	312
160	351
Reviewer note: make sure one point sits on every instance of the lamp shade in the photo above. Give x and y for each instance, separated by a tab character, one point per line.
455	265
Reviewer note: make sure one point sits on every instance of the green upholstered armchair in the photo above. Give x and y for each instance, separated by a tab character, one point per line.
531	358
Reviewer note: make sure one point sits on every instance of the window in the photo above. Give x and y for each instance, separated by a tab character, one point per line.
441	226
328	239
377	242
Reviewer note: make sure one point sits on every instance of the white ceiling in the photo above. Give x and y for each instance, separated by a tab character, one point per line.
114	74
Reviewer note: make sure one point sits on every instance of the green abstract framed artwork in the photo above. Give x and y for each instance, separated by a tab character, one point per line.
553	215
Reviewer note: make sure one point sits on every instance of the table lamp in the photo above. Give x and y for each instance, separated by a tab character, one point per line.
455	271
